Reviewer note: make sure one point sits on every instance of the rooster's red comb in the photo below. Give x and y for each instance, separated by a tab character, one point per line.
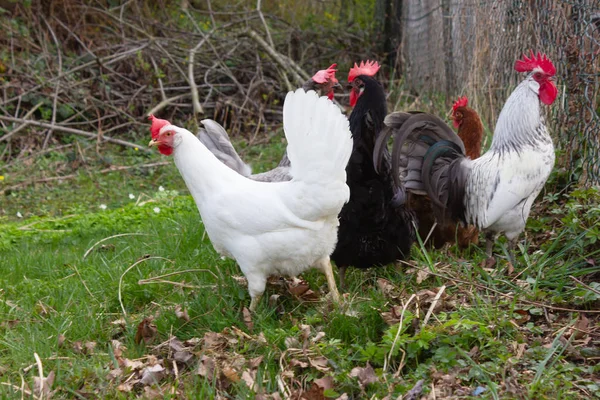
527	64
369	68
157	124
325	75
461	102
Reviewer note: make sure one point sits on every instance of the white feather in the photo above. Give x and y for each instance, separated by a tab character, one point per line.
275	228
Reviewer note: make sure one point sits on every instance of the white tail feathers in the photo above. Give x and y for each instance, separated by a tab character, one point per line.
318	135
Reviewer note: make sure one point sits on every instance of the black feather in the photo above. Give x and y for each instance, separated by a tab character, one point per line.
373	230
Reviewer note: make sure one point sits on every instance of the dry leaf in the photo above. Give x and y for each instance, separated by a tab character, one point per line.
114	374
314	393
248	319
231	374
318	337
255	362
117	348
249	377
325	382
183	357
581	327
365	375
385	286
292	343
152	375
146	331
61	340
214	341
89	347
206	367
153	393
422	275
181	313
125	387
415	392
78	347
297	363
131	366
43	386
319	363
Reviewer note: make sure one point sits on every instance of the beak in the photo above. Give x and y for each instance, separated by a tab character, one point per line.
337	85
152	143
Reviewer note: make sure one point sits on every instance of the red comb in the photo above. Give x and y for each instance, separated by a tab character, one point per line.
325	75
527	64
157	124
369	68
461	102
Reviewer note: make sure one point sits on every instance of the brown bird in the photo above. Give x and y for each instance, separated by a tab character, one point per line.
470	131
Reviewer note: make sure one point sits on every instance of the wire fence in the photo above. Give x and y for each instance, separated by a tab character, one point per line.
475	43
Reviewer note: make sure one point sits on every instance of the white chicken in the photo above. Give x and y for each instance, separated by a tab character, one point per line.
280	228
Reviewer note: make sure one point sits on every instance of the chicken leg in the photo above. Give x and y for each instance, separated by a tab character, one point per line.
324	264
342	275
254	302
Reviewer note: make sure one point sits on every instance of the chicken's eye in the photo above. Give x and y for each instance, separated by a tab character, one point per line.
458	115
168	133
537	75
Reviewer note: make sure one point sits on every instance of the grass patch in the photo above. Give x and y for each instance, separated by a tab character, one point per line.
490	333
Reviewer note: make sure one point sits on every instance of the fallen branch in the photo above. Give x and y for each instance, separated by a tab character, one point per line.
64	129
23	125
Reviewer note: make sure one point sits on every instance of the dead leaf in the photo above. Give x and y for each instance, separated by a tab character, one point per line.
43	386
231	374
146	331
365	375
318	336
314	393
78	347
152	375
114	374
292	343
249	378
510	268
581	327
61	340
422	275
248	319
325	382
415	392
214	341
297	363
319	363
117	348
89	347
153	393
183	357
181	313
385	286
125	387
255	362
206	367
131	366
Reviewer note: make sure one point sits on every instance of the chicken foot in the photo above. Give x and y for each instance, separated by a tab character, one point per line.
254	302
324	265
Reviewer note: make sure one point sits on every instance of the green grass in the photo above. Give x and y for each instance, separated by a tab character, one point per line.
504	333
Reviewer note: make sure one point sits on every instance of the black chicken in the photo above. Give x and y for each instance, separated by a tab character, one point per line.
373	231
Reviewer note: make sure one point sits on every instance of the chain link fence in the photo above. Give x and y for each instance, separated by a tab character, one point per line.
468	47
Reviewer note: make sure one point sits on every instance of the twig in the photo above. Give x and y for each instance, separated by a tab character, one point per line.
75	132
15	387
84	284
25	124
129	269
38	361
166	102
112	237
433	304
262	18
193	88
584	285
389	355
57	84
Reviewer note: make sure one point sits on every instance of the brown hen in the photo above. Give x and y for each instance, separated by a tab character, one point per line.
470	130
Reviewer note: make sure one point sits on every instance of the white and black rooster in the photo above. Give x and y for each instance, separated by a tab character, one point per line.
494	192
280	228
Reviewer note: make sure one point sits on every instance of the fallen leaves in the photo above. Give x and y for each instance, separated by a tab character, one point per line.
365	375
146	331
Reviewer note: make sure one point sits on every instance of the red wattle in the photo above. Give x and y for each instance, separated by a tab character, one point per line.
548	92
456	124
164	149
330	95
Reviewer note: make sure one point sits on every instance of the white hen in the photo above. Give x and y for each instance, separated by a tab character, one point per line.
280	228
